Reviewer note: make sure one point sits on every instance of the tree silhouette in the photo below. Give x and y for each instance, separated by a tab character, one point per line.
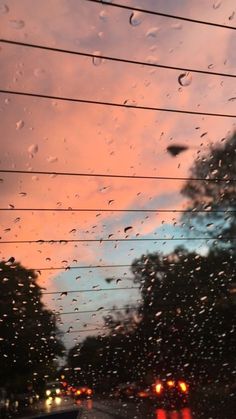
29	338
218	163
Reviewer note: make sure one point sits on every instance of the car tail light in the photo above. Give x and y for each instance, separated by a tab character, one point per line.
170	383
183	386
158	388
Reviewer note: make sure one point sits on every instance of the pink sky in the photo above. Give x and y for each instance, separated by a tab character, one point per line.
86	138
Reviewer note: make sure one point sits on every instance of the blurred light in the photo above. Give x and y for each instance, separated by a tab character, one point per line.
90	405
48	392
186	413
58	391
78	392
161	414
170	383
158	388
89	391
183	386
49	401
58	400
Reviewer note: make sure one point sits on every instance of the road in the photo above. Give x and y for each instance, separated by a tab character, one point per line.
110	408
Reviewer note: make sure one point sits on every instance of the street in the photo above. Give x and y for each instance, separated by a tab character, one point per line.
106	409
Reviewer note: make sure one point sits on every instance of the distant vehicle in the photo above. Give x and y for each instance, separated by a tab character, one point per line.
126	391
167	393
53	390
83	393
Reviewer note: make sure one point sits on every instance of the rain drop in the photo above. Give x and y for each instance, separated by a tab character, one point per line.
185	79
33	149
216	5
152	32
4	9
128	229
38	72
52	159
103	15
20	124
17	24
176	26
97	60
135	18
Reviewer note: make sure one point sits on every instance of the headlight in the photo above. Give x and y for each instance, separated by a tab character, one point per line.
58	391
48	392
58	400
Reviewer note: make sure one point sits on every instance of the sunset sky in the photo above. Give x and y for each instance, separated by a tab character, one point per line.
49	135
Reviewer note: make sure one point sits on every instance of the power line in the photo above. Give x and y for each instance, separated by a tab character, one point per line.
142	239
119	176
170	16
64	313
139	210
57	268
115	104
116	59
90	290
86	330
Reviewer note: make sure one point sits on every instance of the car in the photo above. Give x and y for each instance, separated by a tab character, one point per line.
169	393
125	391
53	390
83	393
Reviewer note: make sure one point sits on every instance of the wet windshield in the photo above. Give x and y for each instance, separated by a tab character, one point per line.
118	231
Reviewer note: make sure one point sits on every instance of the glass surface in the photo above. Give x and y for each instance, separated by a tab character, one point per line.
117	203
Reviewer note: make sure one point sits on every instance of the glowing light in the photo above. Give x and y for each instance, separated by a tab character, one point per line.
49	401
58	400
186	413
158	388
48	392
170	383
78	392
161	414
183	386
89	391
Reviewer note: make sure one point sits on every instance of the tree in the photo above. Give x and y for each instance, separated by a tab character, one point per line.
29	338
213	194
188	312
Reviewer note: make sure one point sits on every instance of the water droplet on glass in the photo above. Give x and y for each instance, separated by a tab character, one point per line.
38	72
176	26
185	79
103	15
52	159
232	99
152	32
152	59
4	9
17	24
20	124
216	5
128	229
97	60
176	149
33	149
135	18
231	16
